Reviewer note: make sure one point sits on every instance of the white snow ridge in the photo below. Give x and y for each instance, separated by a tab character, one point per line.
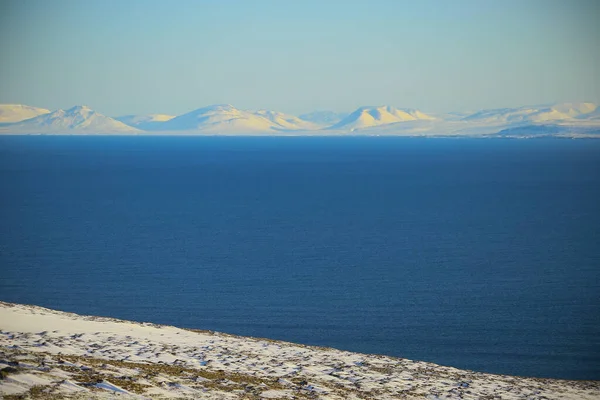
47	354
226	119
366	117
76	119
535	114
10	113
220	118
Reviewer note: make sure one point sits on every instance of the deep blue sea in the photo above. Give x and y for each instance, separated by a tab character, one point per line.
479	254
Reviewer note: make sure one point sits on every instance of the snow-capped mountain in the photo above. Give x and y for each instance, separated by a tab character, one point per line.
224	118
78	119
11	113
148	122
366	117
325	118
534	114
221	118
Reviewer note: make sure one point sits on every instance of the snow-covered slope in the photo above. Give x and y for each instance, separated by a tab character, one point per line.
79	119
10	113
592	115
366	117
148	122
226	119
53	354
576	110
286	121
222	118
556	130
534	114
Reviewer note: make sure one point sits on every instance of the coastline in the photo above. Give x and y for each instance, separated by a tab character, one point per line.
54	354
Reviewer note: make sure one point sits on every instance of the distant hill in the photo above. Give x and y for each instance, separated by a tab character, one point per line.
10	113
366	117
221	118
224	118
535	114
568	130
77	119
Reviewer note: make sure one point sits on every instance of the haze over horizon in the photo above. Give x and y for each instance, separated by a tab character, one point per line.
140	57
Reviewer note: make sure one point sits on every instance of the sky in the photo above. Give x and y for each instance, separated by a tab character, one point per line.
145	56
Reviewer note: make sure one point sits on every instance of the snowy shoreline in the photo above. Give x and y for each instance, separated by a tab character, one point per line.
53	354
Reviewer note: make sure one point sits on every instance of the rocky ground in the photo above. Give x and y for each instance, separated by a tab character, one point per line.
47	354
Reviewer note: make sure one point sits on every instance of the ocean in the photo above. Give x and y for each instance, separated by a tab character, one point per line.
481	254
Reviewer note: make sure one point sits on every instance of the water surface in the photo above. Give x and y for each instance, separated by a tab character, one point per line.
480	254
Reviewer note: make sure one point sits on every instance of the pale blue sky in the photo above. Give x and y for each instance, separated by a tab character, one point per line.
144	56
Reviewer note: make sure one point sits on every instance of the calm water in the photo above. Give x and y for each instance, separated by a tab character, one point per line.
480	254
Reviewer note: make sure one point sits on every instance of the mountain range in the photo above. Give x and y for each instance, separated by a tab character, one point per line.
562	119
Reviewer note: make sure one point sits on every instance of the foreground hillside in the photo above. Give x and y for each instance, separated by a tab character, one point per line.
51	354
